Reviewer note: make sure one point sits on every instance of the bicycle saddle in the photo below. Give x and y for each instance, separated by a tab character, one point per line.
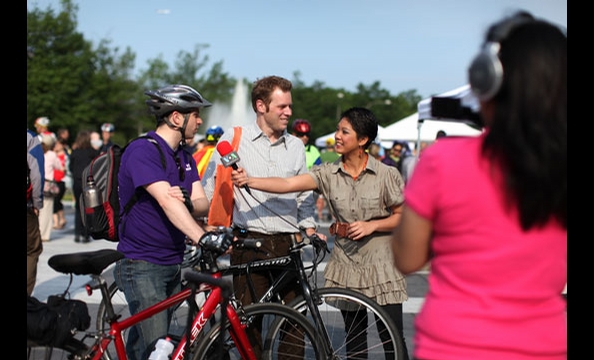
84	263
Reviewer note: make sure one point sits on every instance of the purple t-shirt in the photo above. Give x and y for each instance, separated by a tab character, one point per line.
145	232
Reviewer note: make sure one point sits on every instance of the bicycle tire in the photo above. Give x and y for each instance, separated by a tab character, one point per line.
274	318
333	321
176	328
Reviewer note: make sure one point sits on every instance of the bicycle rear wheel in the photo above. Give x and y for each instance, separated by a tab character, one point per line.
371	335
285	334
120	306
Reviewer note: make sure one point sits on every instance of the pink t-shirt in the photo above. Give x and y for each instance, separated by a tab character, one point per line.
494	290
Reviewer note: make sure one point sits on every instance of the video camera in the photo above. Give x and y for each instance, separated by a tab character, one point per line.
452	108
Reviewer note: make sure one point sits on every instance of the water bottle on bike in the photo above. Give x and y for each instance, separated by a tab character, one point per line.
163	349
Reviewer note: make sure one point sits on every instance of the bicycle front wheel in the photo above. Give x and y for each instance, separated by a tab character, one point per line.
355	325
276	332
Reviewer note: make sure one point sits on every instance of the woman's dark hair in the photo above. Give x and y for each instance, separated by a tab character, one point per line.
83	140
528	133
363	122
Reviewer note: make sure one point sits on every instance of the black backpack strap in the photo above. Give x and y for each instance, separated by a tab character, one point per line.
136	195
150	139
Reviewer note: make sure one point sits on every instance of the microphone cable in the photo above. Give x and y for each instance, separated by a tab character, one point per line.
296	227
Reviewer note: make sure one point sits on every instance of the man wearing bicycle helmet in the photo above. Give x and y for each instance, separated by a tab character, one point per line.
202	156
153	233
302	129
42	127
107	130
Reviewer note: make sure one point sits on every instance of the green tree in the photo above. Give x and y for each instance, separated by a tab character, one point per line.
59	67
78	86
322	105
316	103
113	91
81	87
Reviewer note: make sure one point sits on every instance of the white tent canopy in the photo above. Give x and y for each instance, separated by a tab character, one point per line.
407	129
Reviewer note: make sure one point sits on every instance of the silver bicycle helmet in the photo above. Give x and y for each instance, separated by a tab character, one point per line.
108	127
177	97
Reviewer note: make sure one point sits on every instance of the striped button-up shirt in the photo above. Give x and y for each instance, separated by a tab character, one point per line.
268	213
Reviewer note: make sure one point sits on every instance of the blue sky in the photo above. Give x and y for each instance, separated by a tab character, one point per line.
422	45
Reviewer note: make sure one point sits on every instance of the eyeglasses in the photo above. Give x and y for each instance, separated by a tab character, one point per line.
301	134
182	173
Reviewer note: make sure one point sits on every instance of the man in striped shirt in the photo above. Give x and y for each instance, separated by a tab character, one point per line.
267	149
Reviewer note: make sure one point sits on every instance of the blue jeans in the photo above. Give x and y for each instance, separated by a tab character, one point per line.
145	284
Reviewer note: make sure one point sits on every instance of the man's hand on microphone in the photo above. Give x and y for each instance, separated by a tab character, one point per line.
239	177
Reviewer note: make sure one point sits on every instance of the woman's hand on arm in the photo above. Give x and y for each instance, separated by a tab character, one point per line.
411	242
360	229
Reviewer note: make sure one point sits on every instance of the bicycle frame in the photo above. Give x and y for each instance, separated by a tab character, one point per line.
204	314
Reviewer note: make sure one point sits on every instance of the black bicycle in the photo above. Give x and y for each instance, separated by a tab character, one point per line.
372	335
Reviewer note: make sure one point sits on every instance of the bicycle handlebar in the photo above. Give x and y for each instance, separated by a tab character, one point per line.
209	266
247	244
313	240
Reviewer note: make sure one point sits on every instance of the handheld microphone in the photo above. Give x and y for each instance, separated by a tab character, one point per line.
229	158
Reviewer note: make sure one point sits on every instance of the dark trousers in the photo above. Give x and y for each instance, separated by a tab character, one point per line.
79	229
58	205
34	248
272	246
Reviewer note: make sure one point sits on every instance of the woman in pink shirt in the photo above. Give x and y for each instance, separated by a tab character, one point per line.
59	174
490	212
51	164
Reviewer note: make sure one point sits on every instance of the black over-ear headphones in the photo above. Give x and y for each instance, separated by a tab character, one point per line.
485	73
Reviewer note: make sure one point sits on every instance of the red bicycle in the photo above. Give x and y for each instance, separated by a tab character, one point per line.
278	324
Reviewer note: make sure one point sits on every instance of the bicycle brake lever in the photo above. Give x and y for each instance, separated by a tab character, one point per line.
319	243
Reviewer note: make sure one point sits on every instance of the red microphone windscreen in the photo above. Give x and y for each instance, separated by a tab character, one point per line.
224	148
